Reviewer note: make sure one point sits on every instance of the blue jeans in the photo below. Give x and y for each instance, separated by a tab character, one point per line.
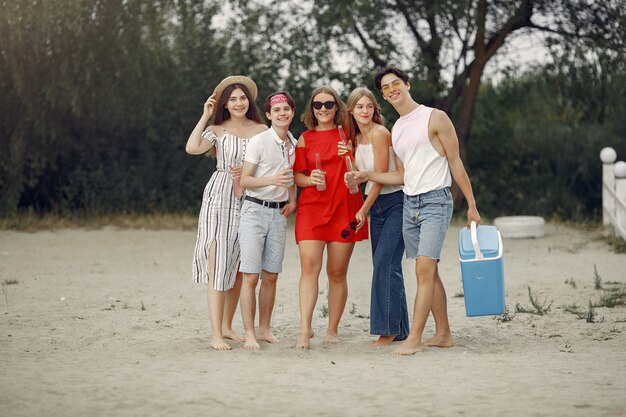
388	309
426	220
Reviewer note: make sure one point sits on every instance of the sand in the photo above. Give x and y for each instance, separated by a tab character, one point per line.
109	323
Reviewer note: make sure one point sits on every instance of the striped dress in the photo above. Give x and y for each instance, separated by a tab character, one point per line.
218	223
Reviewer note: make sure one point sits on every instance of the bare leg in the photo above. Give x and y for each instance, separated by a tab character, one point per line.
216	308
425	270
339	254
311	254
230	307
443	336
267	295
216	311
248	309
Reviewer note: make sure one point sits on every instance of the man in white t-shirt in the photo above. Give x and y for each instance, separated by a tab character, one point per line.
267	176
427	158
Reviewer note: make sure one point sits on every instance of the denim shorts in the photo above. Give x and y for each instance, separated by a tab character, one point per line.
262	232
425	221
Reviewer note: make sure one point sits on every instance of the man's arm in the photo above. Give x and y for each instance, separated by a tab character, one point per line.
442	127
387	178
249	181
290	207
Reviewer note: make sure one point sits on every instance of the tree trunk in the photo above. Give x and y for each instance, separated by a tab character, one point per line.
463	123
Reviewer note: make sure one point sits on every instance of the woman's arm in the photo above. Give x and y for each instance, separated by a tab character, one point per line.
380	144
196	145
301	179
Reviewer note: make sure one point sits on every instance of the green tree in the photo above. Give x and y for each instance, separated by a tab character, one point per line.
540	136
98	99
434	39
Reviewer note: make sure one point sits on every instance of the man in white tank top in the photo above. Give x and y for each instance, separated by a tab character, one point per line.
427	158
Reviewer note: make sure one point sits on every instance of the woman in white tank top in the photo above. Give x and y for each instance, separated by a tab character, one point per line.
372	141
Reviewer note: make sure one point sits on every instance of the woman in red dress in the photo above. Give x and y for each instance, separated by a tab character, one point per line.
326	212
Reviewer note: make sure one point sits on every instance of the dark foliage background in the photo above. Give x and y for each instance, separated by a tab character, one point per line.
97	99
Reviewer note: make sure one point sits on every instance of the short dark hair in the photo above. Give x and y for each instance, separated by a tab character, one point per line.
390	70
267	106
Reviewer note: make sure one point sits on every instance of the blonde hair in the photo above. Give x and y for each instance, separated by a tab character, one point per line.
351	127
308	117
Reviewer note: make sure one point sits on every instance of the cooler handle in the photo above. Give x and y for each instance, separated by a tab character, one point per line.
478	254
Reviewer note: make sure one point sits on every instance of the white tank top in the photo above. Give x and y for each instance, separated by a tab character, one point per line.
424	169
364	159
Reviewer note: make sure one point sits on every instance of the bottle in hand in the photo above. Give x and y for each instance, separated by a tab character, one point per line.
318	165
287	165
353	187
237	190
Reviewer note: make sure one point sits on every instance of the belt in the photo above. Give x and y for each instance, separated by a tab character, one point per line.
270	204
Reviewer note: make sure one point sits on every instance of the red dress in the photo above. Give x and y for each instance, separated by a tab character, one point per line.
326	215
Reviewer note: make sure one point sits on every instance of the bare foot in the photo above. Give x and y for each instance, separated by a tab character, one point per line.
383	341
267	337
331	339
304	342
442	341
251	344
408	347
219	344
230	334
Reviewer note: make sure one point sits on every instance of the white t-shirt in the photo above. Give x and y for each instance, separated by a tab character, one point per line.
269	152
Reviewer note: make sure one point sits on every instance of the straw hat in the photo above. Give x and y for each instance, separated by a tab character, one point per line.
235	79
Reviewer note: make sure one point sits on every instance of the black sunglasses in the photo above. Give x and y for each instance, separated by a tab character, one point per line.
345	233
317	105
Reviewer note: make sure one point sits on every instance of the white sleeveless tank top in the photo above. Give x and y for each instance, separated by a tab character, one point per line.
364	159
424	169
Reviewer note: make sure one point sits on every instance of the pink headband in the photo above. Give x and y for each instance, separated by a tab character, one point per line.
277	99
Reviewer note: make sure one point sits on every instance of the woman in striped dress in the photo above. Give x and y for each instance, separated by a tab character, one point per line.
216	258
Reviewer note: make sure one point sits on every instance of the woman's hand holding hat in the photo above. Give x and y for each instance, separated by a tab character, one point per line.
209	105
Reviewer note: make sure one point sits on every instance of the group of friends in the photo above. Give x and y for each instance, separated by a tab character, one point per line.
243	218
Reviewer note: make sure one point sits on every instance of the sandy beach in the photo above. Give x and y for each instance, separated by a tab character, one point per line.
109	323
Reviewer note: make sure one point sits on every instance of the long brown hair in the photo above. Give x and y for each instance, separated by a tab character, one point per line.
221	113
351	126
308	117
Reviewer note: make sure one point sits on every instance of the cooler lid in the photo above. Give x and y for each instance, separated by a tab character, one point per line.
487	241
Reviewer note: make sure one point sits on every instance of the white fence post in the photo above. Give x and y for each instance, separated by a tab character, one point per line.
608	157
620	198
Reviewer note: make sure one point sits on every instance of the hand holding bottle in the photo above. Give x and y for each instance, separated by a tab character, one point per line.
344	147
350	178
235	170
318	176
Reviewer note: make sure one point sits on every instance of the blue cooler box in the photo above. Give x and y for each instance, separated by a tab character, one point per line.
480	253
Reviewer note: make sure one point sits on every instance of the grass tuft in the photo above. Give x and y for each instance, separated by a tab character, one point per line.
538	308
590	316
571	282
617	243
506	316
597	280
612	299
